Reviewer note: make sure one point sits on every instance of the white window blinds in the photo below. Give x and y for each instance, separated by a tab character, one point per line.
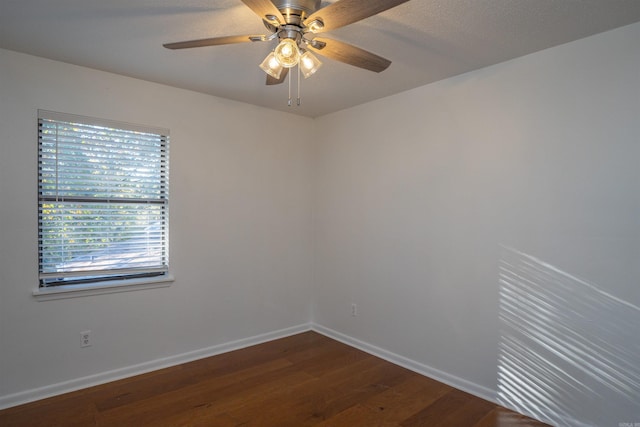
103	200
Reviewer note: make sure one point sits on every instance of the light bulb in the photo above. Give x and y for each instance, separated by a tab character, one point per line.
271	66
287	53
306	62
309	64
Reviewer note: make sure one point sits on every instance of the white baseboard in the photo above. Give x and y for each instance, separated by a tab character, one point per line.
153	365
412	365
428	371
117	374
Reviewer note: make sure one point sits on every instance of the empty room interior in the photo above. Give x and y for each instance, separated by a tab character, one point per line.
455	191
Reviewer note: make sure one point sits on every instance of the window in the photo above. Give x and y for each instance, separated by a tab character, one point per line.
103	194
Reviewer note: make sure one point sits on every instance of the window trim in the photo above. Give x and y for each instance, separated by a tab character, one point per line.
100	286
106	287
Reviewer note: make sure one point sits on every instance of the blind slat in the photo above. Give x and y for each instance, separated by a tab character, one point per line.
103	199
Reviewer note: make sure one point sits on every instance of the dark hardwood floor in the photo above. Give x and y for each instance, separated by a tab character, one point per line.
303	380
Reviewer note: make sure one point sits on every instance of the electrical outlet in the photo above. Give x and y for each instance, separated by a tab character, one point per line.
354	310
85	339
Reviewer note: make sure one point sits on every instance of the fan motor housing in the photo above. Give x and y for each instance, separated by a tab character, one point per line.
296	11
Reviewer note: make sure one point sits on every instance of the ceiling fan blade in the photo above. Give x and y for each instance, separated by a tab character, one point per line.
215	41
273	81
351	55
345	12
266	10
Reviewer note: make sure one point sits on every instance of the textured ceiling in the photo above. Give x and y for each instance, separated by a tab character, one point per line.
426	40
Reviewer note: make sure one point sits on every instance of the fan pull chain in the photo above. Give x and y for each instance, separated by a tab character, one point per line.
289	81
298	100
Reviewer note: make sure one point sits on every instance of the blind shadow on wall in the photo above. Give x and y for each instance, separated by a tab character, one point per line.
569	351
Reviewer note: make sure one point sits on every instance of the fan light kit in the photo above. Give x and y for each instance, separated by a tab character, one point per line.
296	23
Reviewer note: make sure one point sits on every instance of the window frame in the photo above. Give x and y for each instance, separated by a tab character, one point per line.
143	277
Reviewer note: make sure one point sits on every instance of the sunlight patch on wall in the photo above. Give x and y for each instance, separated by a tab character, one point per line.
568	350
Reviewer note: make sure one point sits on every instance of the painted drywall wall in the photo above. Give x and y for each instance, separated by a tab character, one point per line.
487	228
240	230
433	208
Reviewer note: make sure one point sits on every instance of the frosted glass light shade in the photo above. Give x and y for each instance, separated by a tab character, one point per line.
271	66
309	64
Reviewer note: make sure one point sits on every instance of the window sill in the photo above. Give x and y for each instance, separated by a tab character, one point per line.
116	286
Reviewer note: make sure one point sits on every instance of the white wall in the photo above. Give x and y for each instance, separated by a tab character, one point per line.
422	196
240	221
425	206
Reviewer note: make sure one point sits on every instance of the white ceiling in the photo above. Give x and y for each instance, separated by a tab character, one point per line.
426	40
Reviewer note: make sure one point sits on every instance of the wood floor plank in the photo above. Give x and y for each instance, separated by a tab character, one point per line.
501	417
323	360
298	381
218	395
455	408
390	407
310	403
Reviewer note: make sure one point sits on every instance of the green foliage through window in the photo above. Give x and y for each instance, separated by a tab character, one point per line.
103	199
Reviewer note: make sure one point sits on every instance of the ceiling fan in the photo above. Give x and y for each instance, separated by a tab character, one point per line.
295	23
